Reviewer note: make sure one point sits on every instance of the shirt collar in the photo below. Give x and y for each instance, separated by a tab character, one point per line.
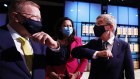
111	40
13	33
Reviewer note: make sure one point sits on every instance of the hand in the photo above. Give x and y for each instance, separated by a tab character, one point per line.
104	53
53	75
45	39
74	76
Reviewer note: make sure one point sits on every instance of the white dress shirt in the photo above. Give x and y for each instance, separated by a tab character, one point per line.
17	42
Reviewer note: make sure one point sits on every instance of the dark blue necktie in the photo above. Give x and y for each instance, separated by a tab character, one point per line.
104	45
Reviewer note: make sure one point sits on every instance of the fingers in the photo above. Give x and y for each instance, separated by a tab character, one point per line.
45	39
54	75
70	74
62	75
73	76
39	37
109	54
105	53
59	76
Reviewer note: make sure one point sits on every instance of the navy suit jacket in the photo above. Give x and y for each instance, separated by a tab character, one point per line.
12	65
102	68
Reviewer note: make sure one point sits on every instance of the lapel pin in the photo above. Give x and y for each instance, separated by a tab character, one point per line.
118	44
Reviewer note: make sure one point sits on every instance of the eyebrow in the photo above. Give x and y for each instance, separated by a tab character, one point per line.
99	22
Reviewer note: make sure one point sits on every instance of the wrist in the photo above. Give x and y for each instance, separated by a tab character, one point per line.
79	73
55	45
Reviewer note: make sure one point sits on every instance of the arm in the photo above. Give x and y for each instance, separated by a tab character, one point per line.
45	39
129	68
82	52
82	66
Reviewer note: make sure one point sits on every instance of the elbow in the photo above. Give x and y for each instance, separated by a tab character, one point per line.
74	53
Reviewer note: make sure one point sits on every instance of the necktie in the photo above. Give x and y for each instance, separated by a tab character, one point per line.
28	54
104	46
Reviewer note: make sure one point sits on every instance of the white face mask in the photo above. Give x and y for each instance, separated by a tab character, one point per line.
67	31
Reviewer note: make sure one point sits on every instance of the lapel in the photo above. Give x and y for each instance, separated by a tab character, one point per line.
39	60
12	52
39	53
116	47
72	45
36	47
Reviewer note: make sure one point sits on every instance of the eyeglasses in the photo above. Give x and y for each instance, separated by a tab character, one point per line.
33	17
101	22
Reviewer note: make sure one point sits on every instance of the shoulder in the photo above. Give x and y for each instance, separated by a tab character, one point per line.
122	42
4	31
77	41
77	38
3	28
96	40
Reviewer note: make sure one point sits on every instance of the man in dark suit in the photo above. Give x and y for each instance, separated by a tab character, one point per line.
24	20
110	57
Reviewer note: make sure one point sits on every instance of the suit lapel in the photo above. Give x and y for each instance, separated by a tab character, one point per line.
116	47
36	47
14	54
72	45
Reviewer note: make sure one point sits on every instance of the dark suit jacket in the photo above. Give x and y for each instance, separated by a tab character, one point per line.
12	65
108	69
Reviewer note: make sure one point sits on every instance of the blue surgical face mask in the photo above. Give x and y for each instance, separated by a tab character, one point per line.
32	26
67	31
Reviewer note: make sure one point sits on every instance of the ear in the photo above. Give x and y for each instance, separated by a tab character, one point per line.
14	16
111	27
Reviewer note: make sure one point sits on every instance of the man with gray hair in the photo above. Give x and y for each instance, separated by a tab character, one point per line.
110	57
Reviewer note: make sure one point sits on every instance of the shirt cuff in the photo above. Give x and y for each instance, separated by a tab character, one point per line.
94	55
58	49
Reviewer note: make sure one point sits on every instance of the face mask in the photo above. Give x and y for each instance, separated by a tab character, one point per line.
67	31
99	30
32	26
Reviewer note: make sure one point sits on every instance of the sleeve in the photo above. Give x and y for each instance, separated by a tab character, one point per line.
84	51
129	68
82	65
49	69
58	49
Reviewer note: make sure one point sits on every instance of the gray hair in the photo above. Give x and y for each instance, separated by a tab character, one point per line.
110	20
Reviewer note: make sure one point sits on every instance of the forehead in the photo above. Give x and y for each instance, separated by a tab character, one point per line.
31	10
67	22
100	21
